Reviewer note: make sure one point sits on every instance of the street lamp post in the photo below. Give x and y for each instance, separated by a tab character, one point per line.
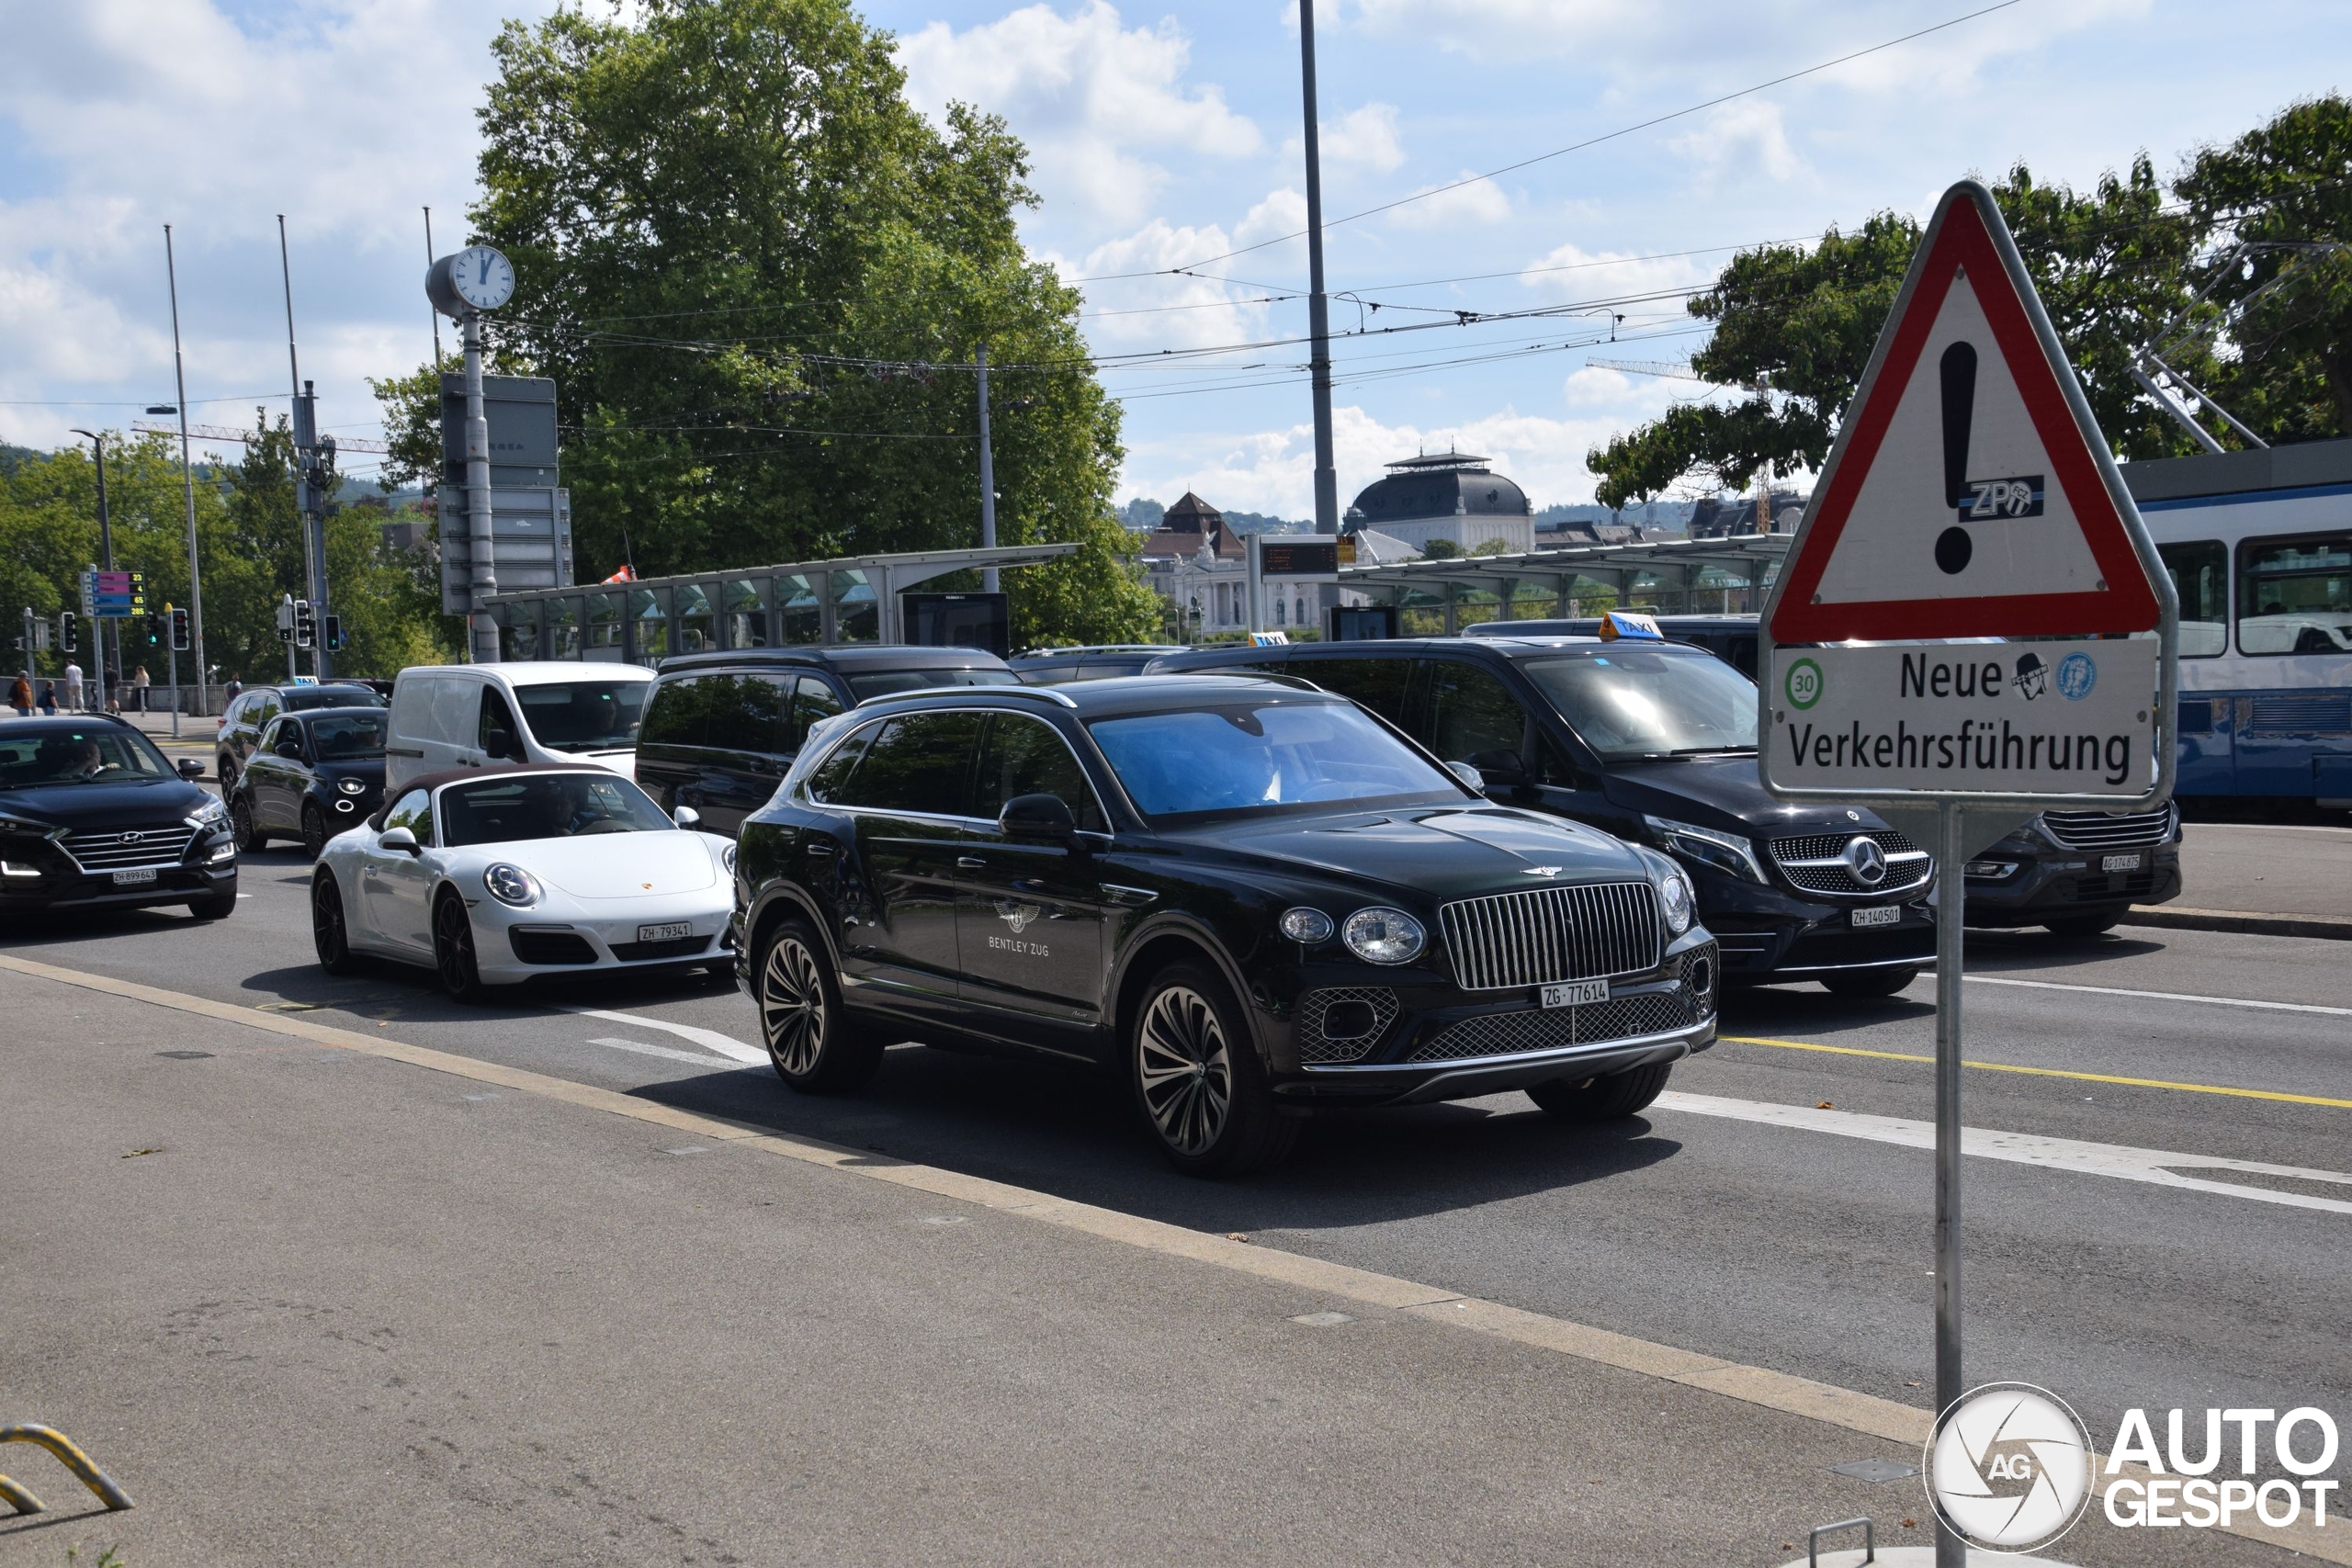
104	657
188	483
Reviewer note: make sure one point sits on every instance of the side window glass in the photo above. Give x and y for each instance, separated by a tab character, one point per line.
1377	683
1028	756
812	699
2294	595
1553	767
271	736
264	710
918	763
828	784
496	733
758	717
670	717
413	811
2201	576
1473	718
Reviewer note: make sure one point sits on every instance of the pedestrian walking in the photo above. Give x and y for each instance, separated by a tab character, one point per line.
72	696
49	698
235	688
113	694
139	685
21	694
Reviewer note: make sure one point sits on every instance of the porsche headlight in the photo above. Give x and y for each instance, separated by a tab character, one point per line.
1674	898
726	858
510	884
1385	936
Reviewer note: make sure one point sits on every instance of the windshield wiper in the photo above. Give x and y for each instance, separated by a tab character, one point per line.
1707	751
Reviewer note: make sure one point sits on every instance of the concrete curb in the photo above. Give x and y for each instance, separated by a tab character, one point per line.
2331	927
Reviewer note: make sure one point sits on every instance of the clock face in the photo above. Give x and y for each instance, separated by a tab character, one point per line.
483	278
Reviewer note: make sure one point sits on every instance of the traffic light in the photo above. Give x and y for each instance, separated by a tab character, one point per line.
66	631
153	626
180	628
335	634
286	619
305	624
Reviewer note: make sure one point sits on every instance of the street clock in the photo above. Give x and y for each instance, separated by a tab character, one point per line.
476	279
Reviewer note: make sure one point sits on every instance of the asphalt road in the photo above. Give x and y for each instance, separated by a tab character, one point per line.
2132	1273
2269	868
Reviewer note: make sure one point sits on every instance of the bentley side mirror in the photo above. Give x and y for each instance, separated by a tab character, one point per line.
1468	776
402	842
189	768
686	817
1499	770
1043	816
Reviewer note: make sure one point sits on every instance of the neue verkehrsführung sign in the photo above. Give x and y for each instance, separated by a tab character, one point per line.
1970	498
2041	717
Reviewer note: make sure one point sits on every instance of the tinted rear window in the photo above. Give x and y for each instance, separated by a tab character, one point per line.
883	683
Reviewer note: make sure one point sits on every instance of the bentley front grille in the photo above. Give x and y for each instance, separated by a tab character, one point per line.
1544	934
1552	1029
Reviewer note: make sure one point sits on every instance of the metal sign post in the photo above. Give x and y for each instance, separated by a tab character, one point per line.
465	284
1959	637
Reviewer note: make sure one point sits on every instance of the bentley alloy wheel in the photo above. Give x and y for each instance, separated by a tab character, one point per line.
810	1039
1199	1080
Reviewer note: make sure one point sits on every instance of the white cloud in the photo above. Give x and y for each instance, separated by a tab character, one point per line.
1574	271
1364	138
1742	141
1166	309
1274	470
1475	199
1086	94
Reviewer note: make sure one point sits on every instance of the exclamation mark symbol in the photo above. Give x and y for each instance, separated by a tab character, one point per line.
1959	368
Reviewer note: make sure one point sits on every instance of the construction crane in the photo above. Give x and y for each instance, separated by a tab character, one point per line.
224	433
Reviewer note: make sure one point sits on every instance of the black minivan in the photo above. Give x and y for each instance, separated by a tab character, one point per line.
1655	742
721	729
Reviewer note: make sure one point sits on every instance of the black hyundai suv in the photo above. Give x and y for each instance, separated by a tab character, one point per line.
721	729
91	815
1246	895
1654	742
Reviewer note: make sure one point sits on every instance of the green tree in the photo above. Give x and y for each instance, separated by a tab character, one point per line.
758	279
2281	204
2111	267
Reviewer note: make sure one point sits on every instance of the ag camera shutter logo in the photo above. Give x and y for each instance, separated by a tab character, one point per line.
2009	1467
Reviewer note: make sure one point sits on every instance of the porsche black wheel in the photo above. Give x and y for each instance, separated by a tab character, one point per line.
453	951
330	934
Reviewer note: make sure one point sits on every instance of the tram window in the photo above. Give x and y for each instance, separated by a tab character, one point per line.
2295	595
2201	576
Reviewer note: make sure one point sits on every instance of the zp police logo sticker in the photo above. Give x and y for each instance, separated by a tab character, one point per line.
2009	1467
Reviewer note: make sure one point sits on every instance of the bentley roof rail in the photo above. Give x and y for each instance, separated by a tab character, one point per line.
1040	694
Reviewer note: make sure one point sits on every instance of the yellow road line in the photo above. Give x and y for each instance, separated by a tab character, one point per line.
2047	1072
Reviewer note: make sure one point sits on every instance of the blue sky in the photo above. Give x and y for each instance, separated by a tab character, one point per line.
1162	136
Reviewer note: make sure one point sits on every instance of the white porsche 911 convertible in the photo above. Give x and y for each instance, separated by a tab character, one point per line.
496	875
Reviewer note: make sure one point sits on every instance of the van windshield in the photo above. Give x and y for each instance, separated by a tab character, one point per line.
585	716
1628	704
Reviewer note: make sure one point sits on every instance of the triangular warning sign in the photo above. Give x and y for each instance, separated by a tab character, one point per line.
1969	493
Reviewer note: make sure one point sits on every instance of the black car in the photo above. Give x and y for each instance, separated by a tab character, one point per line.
91	815
721	729
1654	742
243	719
1056	666
315	773
2078	873
1250	897
1731	639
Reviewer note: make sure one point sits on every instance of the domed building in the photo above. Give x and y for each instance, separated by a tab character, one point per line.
1448	495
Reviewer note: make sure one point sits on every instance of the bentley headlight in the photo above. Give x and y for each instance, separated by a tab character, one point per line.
1674	898
351	787
1727	852
510	884
1306	925
1385	936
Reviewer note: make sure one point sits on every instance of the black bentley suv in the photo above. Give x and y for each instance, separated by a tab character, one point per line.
1250	897
91	814
1654	742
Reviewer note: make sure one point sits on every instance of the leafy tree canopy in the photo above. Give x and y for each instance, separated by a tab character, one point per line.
759	278
2243	283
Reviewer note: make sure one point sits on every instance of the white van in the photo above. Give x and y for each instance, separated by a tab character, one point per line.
468	715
